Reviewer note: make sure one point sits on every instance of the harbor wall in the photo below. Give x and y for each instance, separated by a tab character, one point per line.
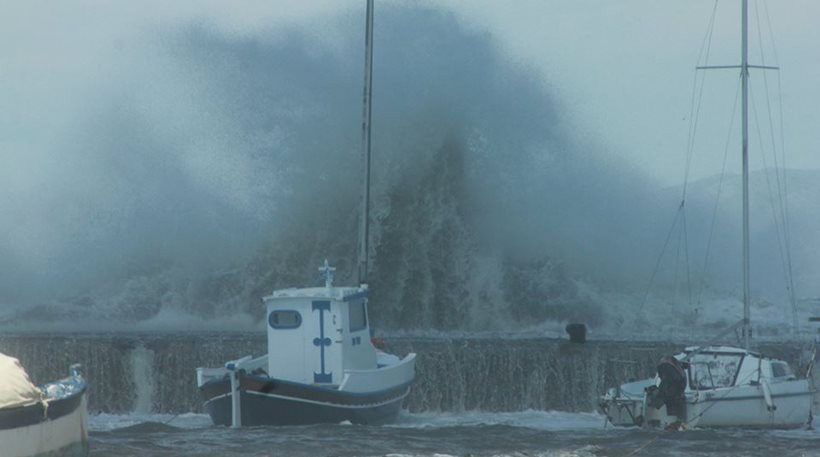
155	373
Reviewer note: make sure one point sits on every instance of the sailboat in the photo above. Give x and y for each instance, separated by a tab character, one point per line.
321	365
48	420
719	386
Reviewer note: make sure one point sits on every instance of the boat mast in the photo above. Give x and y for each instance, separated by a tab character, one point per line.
368	93
744	76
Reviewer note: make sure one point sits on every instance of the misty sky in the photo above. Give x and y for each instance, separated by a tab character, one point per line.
623	70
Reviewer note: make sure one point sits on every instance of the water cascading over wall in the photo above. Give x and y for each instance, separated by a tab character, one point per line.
215	212
156	373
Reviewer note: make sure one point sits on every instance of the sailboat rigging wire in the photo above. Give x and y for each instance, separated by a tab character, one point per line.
782	129
717	338
686	260
781	239
641	448
768	180
719	192
694	112
786	217
660	257
677	258
780	170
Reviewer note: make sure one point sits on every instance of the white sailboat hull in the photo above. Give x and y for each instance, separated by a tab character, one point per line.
717	387
788	406
747	406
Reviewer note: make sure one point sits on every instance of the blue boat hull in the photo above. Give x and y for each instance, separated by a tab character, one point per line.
268	401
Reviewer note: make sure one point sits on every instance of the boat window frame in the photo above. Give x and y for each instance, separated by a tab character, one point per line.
696	386
350	307
787	372
298	324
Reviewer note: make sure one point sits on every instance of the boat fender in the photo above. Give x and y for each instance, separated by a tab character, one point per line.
378	343
653	396
767	395
268	387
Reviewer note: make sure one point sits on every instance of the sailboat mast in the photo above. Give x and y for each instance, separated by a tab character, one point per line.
744	76
366	118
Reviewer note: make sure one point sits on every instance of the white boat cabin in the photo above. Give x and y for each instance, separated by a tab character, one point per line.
723	366
316	334
321	336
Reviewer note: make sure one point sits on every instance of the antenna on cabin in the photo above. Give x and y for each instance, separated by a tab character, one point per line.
327	273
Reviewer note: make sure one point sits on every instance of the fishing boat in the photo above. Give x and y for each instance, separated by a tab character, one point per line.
322	365
50	420
720	386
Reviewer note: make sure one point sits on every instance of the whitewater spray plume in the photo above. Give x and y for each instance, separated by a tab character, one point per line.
199	168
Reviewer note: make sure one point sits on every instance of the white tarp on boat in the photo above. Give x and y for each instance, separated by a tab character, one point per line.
15	387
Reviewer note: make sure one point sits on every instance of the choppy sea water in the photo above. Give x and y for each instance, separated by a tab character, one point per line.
527	433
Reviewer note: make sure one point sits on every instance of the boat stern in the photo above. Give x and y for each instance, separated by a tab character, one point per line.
624	405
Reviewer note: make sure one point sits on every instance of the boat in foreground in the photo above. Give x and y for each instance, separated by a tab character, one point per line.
50	420
714	386
321	366
719	386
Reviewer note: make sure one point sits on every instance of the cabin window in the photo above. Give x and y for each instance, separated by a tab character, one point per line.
711	371
358	315
284	319
781	370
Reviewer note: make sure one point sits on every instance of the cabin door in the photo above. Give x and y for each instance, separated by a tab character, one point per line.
324	346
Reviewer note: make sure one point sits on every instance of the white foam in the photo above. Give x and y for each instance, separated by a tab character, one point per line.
539	420
108	422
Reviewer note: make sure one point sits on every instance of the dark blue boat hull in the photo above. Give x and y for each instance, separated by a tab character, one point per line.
268	401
